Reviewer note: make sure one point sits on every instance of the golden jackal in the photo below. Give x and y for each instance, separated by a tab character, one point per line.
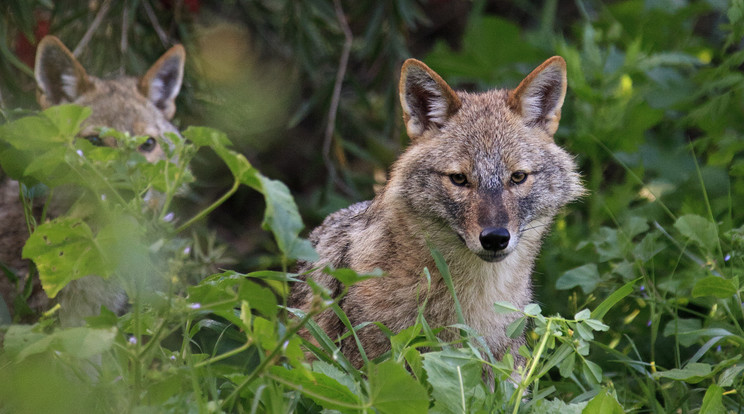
141	106
481	181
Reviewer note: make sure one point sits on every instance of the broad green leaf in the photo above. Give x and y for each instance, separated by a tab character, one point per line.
592	371
586	277
714	286
566	366
264	330
556	406
584	331
324	390
692	373
504	307
349	277
730	375
33	133
603	403
533	309
64	250
713	401
455	377
206	137
608	244
596	325
78	342
332	372
648	247
515	329
283	219
392	390
686	330
698	229
634	226
583	315
67	118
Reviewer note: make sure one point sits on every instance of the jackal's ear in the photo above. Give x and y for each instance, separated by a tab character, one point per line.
540	95
426	99
59	76
162	82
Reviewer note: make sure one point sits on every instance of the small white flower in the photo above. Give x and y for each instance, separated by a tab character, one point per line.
133	340
187	250
195	306
103	197
169	217
79	152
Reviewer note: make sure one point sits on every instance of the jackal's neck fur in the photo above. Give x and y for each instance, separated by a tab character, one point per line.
481	181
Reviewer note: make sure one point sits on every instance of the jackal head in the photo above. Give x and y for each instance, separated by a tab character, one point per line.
484	166
141	106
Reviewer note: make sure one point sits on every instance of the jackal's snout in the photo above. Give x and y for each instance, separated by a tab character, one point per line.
494	239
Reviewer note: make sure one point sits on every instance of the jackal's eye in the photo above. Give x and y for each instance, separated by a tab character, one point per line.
518	177
148	145
459	179
95	140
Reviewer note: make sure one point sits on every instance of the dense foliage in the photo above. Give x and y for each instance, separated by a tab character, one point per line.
648	266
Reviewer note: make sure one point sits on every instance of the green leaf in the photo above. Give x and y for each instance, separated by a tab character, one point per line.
206	137
600	311
648	247
731	374
349	277
584	332
392	390
33	133
686	329
79	342
634	226
566	366
713	401
699	230
533	309
504	307
455	377
691	373
603	403
283	219
592	371
324	390
586	276
714	286
583	315
515	329
332	372
447	276
67	118
596	325
64	250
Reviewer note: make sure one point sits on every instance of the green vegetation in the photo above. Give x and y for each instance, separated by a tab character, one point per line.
648	266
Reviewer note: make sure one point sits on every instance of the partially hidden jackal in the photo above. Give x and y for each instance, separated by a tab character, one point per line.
481	181
138	106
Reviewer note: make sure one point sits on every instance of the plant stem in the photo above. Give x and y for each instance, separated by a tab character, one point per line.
209	209
535	360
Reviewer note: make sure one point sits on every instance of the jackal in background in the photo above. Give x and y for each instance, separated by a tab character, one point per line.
140	107
481	181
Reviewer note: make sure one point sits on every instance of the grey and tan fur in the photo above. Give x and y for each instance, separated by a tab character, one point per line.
139	106
481	181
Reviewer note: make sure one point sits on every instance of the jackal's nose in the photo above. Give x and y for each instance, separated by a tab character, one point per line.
494	238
